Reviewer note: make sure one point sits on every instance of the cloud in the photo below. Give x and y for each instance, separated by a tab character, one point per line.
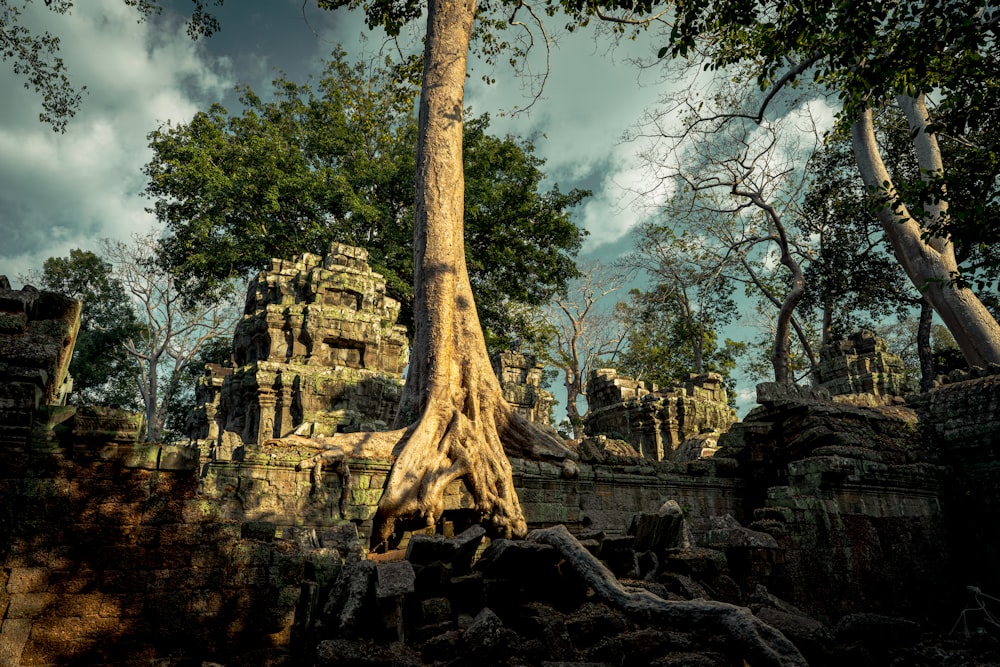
61	191
746	399
591	98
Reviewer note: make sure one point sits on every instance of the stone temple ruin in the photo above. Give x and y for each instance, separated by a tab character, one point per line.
677	423
318	351
520	378
862	364
857	528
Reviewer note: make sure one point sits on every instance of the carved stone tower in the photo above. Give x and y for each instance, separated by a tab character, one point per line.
318	351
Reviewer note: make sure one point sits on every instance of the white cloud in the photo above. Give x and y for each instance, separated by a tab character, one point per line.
592	97
746	398
61	191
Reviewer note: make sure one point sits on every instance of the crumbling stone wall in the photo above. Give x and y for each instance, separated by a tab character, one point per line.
862	364
854	496
964	422
112	550
37	333
318	351
520	378
658	422
109	555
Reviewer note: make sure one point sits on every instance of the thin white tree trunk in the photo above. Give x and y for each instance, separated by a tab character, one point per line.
929	264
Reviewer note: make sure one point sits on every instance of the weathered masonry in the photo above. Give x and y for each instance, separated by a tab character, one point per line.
118	552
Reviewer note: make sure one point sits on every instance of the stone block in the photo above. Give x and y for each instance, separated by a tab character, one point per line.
457	552
13	636
79	604
13	323
31	605
141	456
174	457
258	530
394	579
28	580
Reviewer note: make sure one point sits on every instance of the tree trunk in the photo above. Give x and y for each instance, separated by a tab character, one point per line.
458	423
573	390
152	425
924	351
698	344
930	263
827	335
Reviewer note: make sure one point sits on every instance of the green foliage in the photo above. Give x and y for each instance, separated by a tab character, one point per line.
853	277
665	340
867	52
102	371
337	164
673	327
34	56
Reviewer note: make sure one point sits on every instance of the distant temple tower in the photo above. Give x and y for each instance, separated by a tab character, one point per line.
670	423
520	378
862	364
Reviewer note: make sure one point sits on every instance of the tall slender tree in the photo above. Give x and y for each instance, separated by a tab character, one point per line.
171	334
584	333
870	55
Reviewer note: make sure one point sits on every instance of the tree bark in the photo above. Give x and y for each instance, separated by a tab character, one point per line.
761	644
924	351
453	422
574	387
931	263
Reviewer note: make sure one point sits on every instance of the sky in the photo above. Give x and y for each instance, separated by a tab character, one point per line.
65	191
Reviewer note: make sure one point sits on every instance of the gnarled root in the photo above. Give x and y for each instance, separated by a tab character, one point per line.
449	443
762	644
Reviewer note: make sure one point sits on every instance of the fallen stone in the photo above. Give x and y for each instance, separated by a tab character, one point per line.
486	633
345	609
884	631
725	532
459	551
394	579
365	653
664	529
810	636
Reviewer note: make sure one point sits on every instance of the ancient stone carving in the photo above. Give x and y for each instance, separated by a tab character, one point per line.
318	352
862	364
37	333
520	377
658	422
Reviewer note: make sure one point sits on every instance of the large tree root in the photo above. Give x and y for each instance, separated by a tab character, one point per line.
763	645
457	437
467	434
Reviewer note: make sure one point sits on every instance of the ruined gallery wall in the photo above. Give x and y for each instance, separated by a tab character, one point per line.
119	552
856	498
112	549
267	487
108	553
965	421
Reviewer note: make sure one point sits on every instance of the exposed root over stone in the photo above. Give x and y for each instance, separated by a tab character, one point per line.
762	644
466	434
